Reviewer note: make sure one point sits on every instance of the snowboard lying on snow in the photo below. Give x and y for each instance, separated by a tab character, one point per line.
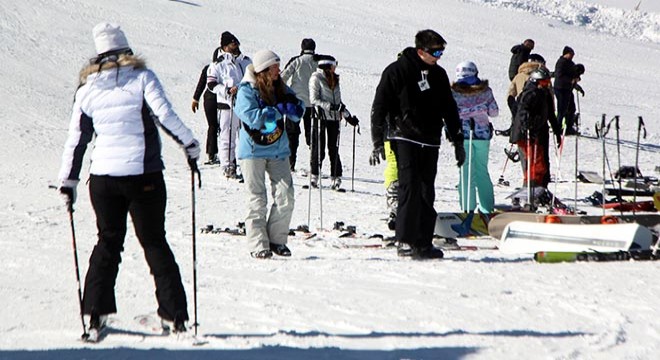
498	223
529	237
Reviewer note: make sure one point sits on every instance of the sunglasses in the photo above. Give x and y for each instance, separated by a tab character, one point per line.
436	53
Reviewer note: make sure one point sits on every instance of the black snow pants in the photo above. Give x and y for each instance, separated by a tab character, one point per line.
417	167
144	197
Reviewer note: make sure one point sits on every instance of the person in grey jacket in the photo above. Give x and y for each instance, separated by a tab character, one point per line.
296	74
122	104
325	96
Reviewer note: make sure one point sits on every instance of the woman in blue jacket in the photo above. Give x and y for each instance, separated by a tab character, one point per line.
262	102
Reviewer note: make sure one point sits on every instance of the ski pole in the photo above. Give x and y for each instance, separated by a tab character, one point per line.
640	126
575	173
602	138
469	172
320	150
69	207
194	169
529	168
312	152
353	166
618	153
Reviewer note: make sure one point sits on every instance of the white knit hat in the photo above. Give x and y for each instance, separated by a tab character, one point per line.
466	69
109	37
263	59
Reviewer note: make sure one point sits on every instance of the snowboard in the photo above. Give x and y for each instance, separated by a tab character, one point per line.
497	224
526	237
452	225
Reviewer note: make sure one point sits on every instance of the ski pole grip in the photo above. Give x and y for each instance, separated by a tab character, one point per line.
472	124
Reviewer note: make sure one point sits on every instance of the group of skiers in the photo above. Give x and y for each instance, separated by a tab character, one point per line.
257	109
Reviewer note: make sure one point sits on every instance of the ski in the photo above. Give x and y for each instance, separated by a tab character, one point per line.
557	257
527	237
498	223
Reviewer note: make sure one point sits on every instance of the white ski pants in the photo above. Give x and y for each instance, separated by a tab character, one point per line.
262	227
228	135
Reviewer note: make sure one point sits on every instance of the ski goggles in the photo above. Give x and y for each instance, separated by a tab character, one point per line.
543	82
436	53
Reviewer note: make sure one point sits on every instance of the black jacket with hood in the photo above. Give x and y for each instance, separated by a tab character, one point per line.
406	112
535	109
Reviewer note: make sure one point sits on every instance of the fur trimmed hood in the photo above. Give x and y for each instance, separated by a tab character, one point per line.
123	60
469	89
528	67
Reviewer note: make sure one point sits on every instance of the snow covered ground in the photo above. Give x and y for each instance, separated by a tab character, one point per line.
327	301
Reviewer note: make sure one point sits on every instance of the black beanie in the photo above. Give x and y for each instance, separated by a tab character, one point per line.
568	50
227	38
308	44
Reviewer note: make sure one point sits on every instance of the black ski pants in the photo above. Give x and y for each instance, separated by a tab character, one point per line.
293	133
144	197
211	113
416	217
565	107
329	130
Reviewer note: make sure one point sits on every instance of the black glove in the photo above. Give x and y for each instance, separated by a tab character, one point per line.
459	154
68	191
353	120
376	155
193	150
579	89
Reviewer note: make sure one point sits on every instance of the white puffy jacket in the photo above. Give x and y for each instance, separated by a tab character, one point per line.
321	95
227	72
122	106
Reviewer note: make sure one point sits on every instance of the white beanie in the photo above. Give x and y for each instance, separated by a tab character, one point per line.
263	59
109	37
466	69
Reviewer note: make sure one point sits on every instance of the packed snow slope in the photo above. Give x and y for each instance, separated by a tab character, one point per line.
327	301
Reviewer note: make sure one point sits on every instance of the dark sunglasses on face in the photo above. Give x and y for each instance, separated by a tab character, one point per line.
436	53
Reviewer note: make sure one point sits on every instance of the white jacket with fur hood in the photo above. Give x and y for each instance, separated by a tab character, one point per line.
122	104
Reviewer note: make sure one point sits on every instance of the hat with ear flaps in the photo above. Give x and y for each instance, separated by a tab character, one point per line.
109	37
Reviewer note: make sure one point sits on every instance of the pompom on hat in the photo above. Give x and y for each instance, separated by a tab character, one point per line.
568	50
109	37
263	59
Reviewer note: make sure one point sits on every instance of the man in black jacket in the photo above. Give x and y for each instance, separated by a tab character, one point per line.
412	100
567	74
520	54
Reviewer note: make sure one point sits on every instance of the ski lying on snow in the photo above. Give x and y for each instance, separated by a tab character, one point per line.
557	257
526	237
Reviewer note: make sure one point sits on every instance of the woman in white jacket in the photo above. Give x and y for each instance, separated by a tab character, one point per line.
325	97
121	103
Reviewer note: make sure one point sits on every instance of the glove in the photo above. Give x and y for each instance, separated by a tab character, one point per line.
579	89
377	154
193	150
353	120
195	106
459	154
294	110
281	107
68	191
